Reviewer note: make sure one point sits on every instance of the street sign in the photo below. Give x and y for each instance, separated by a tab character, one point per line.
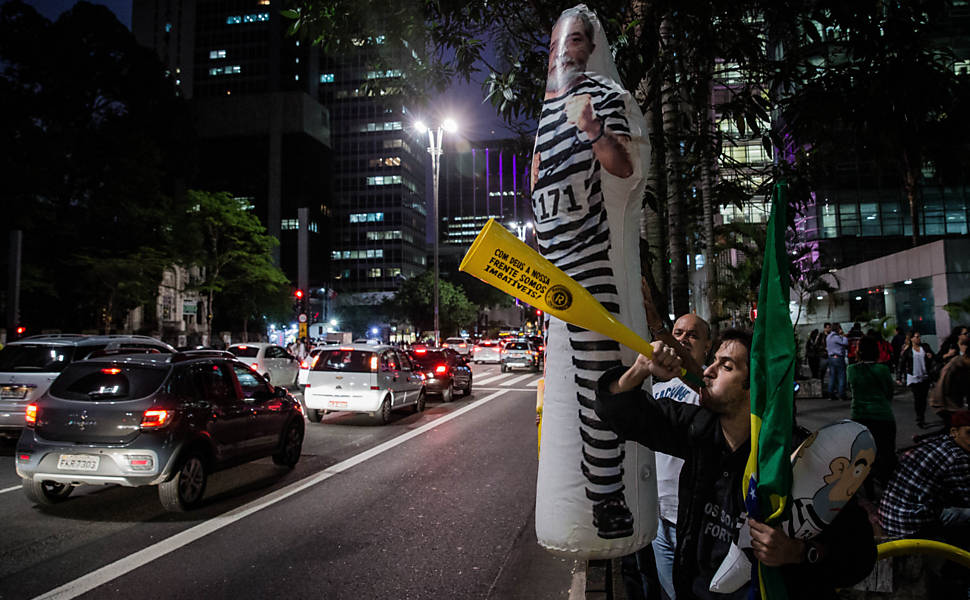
303	329
302	318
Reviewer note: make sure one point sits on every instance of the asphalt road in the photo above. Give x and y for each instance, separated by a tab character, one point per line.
436	505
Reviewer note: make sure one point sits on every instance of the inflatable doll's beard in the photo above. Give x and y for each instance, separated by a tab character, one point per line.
563	77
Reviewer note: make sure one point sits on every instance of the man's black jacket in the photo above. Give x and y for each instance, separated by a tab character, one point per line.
694	434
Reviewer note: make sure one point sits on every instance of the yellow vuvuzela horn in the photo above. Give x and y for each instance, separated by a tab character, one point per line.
503	261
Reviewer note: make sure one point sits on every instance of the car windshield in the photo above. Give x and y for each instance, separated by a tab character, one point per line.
455	341
346	360
99	381
41	358
517	346
245	351
429	358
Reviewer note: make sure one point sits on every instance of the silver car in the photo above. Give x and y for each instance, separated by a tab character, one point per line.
273	362
28	366
460	345
487	351
363	378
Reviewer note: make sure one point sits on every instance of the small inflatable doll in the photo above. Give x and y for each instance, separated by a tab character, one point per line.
828	468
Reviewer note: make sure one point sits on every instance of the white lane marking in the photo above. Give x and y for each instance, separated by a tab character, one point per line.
536	382
492	389
9	489
494	378
112	571
518	379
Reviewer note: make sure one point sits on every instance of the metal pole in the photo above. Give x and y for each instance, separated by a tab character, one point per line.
13	283
435	166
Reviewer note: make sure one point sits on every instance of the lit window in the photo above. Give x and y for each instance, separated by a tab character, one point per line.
326	78
367	217
375	272
168	27
216	54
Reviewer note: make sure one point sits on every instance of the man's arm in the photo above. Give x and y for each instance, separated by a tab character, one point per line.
609	148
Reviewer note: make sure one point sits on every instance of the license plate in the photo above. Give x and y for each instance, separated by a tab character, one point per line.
337	404
78	462
13	392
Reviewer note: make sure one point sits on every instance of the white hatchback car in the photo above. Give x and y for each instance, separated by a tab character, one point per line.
363	378
460	345
487	351
269	360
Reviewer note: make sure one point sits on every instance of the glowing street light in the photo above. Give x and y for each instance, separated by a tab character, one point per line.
434	148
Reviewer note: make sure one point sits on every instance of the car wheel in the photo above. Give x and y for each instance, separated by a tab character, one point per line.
184	490
419	406
46	493
503	369
449	394
383	414
468	388
291	446
314	414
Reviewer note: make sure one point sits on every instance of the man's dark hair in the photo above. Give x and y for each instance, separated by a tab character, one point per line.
826	324
869	348
743	337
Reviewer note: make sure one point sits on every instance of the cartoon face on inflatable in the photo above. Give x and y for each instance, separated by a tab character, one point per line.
827	470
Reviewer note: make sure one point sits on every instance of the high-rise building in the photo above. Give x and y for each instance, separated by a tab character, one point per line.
378	238
264	136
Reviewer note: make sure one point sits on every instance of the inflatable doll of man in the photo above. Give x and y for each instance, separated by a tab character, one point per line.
595	497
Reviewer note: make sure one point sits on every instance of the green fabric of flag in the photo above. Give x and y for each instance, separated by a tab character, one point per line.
772	374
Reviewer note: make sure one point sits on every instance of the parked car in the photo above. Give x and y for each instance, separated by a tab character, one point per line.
519	355
363	378
445	371
167	420
29	365
460	345
273	362
487	351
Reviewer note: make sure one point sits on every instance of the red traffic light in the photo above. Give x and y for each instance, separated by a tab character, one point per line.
21	330
298	293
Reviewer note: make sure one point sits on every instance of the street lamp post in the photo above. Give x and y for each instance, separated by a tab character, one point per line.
434	148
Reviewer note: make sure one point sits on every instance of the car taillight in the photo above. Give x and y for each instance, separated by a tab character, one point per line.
373	363
304	364
30	414
155	418
111	371
255	366
441	370
462	345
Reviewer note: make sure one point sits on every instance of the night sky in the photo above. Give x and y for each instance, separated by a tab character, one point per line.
477	121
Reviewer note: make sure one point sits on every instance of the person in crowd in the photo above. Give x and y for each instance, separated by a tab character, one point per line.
915	364
872	396
823	362
929	498
952	392
811	353
713	439
854	335
951	346
693	334
836	348
897	343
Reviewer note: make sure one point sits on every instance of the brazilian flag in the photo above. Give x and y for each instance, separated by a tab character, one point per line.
767	476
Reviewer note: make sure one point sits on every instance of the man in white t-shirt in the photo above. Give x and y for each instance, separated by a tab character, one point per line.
694	334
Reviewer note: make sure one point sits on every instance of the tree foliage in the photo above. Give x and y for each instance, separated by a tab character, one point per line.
94	136
234	250
414	303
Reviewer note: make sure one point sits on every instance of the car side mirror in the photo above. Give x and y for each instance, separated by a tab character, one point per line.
280	392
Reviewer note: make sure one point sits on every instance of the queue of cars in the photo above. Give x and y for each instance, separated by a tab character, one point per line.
134	411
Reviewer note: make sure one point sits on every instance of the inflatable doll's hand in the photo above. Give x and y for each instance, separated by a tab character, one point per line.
579	111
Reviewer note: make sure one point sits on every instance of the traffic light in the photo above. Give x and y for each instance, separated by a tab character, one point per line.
301	302
21	330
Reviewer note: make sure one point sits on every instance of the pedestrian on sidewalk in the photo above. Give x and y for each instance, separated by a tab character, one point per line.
836	346
915	365
811	353
693	334
872	396
952	391
823	362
